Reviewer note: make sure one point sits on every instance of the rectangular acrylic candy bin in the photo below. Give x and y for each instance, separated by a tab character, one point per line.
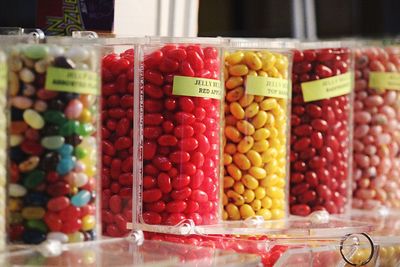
177	132
117	133
53	141
256	135
376	126
321	128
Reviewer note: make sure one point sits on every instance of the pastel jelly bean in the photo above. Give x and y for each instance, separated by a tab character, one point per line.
117	134
253	157
376	142
50	126
320	131
181	136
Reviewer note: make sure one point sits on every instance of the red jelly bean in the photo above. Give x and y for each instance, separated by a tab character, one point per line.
58	203
320	135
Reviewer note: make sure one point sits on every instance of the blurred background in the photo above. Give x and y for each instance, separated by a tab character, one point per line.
236	18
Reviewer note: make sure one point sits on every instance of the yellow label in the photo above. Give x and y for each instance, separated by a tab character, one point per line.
267	86
73	81
199	87
327	88
3	76
384	80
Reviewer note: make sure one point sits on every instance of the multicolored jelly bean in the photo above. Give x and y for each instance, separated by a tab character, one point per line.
53	145
320	131
255	136
117	134
376	138
181	135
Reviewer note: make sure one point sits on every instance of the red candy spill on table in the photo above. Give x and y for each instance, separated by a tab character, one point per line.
117	121
181	138
320	136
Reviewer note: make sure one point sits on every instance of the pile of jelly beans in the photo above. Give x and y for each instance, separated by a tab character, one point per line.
255	139
259	245
320	136
181	138
3	152
376	132
53	154
117	134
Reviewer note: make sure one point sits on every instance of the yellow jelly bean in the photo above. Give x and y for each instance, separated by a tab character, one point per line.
14	204
233	211
269	155
235	94
265	213
233	134
260	193
274	142
230	148
238	70
245	144
88	223
225	215
241	161
234	172
273	72
268	104
261	134
233	82
255	158
252	73
281	183
281	64
251	110
33	119
249	181
228	182
237	111
245	127
257	172
266	202
278	203
76	237
234	197
33	213
248	195
260	119
270	180
226	73
246	100
239	187
256	204
274	132
268	61
272	166
227	159
262	73
277	214
252	61
85	116
275	192
234	58
224	199
246	211
261	146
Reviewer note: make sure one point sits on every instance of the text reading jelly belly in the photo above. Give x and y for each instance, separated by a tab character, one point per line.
267	86
198	87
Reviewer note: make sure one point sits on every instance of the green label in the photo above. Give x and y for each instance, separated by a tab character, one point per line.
327	88
73	81
384	80
267	86
199	87
3	76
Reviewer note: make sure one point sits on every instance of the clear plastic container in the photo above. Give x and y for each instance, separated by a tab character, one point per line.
376	126
178	140
126	252
321	128
117	133
257	94
287	250
53	144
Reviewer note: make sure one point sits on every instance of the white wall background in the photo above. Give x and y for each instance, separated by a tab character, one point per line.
156	17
